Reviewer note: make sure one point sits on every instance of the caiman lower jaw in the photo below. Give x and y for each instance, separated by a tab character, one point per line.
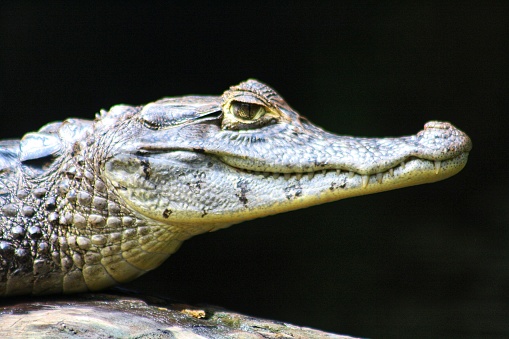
297	190
415	171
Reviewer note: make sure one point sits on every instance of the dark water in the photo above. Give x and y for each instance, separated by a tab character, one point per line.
428	261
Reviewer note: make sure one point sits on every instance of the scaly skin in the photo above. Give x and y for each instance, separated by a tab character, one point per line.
86	204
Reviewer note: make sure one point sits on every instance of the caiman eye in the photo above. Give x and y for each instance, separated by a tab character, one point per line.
247	111
240	115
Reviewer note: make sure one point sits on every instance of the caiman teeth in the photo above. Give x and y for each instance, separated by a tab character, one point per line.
438	163
365	181
364	178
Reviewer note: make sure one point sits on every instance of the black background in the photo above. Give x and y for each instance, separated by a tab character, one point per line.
427	261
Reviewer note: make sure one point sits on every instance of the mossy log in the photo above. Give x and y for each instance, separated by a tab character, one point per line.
118	314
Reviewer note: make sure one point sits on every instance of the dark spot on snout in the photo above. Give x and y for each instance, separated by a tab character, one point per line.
146	168
195	187
293	191
334	185
167	213
204	213
198	150
242	184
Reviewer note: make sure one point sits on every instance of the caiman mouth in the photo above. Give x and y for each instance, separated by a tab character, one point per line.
357	165
441	168
418	168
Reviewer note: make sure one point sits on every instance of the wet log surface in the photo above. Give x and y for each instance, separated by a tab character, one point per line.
123	314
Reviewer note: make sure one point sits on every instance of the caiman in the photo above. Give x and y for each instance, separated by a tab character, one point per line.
85	205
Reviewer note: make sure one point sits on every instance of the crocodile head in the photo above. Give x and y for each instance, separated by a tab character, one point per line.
205	162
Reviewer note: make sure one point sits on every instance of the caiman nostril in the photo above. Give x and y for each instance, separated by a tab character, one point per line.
438	125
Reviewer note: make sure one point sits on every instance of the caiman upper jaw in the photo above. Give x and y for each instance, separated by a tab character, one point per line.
318	151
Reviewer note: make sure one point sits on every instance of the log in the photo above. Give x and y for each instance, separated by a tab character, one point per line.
122	314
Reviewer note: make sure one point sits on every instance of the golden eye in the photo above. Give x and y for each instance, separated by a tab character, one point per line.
247	111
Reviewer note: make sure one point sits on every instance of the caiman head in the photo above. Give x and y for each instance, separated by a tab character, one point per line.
103	202
207	162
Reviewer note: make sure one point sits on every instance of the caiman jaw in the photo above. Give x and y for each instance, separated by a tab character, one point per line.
435	170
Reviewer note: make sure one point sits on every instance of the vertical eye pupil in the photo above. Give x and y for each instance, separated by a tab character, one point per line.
245	111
